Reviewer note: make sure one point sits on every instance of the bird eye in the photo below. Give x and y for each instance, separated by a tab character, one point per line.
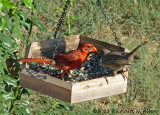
89	46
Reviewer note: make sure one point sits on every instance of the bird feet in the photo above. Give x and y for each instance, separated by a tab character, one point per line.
124	76
62	75
63	72
62	78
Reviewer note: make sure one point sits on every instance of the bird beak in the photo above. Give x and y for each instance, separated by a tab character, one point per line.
93	49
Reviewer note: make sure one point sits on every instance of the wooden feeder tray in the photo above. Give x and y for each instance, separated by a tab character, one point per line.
68	91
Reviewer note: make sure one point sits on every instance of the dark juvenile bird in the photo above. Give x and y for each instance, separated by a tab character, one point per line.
119	60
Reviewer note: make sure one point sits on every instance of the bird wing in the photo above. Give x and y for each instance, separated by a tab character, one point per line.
68	57
115	59
121	62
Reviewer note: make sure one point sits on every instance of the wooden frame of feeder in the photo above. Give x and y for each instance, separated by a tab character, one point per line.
67	91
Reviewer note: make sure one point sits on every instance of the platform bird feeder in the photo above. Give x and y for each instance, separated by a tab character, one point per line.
69	91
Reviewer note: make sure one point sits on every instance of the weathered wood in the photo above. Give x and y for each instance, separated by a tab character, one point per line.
67	91
72	42
98	88
46	85
100	44
28	54
47	78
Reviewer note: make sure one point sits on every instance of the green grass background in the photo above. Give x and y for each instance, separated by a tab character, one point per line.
134	21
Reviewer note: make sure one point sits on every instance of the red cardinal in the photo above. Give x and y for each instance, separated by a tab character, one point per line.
68	61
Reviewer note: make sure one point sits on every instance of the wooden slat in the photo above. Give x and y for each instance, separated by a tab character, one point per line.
72	42
100	44
44	87
100	91
28	54
98	88
99	82
47	47
47	78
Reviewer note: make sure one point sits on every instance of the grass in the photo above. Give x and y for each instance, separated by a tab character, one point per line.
134	22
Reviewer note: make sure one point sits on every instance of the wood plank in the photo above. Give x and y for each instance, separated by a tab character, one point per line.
99	82
99	91
46	47
98	88
44	87
47	78
28	54
72	42
100	44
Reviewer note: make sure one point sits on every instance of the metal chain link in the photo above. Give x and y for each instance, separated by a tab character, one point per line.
61	20
118	42
109	23
60	27
132	88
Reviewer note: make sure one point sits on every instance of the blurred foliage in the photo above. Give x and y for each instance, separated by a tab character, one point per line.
12	21
15	32
68	18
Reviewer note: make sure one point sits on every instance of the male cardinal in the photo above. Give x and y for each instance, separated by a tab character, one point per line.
119	60
68	61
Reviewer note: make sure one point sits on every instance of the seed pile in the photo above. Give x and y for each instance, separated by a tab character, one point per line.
91	69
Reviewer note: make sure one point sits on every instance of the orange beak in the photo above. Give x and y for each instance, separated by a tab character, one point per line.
93	49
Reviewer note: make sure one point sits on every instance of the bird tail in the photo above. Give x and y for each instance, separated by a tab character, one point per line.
131	55
49	61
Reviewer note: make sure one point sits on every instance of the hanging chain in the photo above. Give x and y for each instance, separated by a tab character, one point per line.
118	42
109	23
61	20
60	27
132	88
